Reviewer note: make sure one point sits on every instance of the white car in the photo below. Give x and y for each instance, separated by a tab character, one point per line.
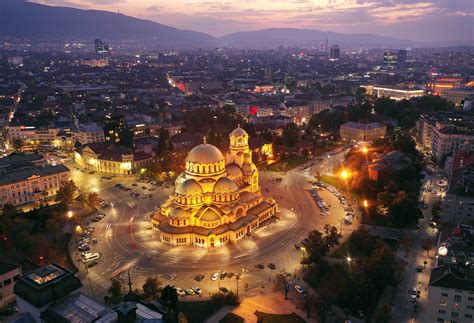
215	276
180	292
190	291
197	290
299	289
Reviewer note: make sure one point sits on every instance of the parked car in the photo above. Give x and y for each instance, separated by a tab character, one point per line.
224	290
197	290
215	276
272	266
172	276
199	278
299	289
180	292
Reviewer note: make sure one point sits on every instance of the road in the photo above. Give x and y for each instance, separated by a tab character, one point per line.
127	243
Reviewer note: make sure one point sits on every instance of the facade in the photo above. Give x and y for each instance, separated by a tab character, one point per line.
217	200
88	133
33	135
458	208
117	160
451	294
443	84
24	181
442	135
9	274
356	131
458	96
393	92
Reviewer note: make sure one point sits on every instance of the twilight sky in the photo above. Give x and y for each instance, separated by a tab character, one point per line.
406	19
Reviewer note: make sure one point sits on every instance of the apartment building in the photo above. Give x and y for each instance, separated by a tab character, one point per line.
393	92
9	274
88	133
356	131
33	135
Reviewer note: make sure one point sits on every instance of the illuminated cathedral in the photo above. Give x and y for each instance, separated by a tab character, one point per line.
217	199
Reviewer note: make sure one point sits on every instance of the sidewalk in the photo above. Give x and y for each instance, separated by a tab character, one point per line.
273	303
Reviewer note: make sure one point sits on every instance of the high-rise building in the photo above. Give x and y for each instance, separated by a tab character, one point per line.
390	60
100	47
335	53
401	59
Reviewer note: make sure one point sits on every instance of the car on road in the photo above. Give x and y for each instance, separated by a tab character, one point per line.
92	264
190	291
413	298
224	290
172	276
419	268
260	266
230	274
299	289
180	292
223	275
215	276
272	266
197	290
414	291
199	278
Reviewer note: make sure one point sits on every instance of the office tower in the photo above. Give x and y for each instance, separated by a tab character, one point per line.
390	60
100	47
401	59
334	53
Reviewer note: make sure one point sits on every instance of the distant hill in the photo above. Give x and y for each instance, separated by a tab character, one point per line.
274	37
34	21
25	20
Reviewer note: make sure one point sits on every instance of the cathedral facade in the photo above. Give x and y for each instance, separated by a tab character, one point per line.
217	199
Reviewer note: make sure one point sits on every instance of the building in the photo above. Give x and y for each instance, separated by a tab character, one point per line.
24	179
451	286
15	61
393	92
458	96
217	200
401	59
88	133
458	203
444	134
100	47
96	62
381	163
443	84
52	294
356	131
390	60
451	294
30	135
9	274
334	53
118	160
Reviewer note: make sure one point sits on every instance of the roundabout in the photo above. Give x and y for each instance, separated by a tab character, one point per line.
128	243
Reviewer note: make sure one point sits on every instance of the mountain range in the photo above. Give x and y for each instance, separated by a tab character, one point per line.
25	20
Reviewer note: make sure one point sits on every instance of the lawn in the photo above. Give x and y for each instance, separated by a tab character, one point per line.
197	311
278	318
287	163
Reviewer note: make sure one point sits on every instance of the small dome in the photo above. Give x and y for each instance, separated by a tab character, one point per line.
239	132
189	187
205	154
178	213
234	171
225	186
248	168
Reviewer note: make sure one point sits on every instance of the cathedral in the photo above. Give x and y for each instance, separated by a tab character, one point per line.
216	200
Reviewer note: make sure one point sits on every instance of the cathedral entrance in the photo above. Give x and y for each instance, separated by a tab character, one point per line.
212	242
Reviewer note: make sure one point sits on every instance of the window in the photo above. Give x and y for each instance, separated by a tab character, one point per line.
442	311
444	294
470	298
454	315
457	297
443	303
468	316
7	282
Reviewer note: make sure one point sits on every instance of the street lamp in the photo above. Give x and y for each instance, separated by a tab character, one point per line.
344	174
366	203
365	150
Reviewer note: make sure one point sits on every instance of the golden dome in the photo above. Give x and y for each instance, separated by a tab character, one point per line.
239	132
189	188
205	154
234	171
225	186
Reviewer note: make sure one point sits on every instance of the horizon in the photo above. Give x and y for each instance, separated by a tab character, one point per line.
414	20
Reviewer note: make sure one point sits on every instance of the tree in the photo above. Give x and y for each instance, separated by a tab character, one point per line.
427	245
332	236
406	244
151	288
169	297
115	291
10	211
282	283
66	193
163	142
317	245
93	200
290	135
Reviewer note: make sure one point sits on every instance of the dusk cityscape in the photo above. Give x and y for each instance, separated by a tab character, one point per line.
237	161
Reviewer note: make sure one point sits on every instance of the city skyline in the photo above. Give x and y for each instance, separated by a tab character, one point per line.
435	20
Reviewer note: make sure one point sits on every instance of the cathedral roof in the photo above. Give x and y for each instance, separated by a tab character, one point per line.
225	186
234	171
205	154
189	187
239	132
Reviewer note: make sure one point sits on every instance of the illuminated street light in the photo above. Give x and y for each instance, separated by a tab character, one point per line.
349	259
365	150
69	214
443	251
344	174
366	203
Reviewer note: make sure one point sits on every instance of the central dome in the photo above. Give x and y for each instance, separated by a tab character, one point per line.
205	154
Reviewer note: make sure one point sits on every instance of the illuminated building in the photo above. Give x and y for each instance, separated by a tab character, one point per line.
395	93
118	160
334	53
217	200
356	131
24	178
100	47
261	88
93	62
88	133
390	60
459	95
444	83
